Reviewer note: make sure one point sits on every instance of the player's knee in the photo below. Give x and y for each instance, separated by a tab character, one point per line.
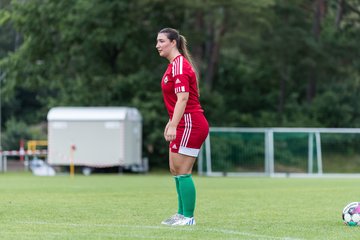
181	171
173	171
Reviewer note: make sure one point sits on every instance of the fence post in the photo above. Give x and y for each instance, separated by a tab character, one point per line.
1	162
200	162
318	152
311	153
208	155
269	152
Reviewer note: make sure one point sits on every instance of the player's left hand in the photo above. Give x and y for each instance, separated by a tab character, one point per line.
170	134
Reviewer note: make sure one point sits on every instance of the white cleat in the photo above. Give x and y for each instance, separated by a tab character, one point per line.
171	220
185	221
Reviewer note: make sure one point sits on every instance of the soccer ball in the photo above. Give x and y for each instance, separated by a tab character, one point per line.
351	214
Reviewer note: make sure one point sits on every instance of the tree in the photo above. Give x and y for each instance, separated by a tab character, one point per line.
262	63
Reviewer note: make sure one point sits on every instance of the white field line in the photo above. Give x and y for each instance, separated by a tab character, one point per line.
186	229
30	235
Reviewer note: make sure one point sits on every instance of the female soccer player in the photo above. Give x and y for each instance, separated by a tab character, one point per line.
187	127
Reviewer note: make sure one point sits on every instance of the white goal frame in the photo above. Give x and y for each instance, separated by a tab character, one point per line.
269	152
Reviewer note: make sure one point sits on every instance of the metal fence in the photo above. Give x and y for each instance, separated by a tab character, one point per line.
23	155
281	152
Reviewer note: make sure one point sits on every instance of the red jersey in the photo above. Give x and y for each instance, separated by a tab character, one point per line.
180	77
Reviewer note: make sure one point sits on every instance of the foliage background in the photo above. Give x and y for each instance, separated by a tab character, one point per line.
262	63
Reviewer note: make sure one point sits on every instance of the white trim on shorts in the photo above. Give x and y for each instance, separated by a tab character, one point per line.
192	152
187	130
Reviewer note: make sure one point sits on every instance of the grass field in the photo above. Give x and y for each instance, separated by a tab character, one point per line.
132	207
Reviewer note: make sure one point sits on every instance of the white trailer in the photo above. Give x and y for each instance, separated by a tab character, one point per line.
95	137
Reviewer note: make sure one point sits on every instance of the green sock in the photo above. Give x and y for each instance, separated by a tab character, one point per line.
180	203
188	194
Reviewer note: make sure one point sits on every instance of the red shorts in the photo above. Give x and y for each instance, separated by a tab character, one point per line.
191	132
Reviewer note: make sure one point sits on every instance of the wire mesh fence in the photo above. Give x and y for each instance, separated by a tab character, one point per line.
274	151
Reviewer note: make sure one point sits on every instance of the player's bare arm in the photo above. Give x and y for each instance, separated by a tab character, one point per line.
179	110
